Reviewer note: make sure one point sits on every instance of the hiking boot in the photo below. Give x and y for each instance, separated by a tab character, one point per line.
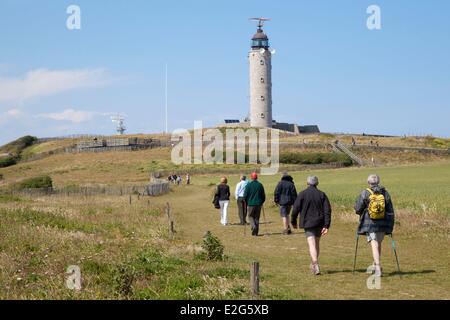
315	270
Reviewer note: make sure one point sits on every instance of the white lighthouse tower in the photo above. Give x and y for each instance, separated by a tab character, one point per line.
260	59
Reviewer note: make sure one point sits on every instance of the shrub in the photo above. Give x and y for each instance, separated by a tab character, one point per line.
36	182
212	248
315	158
7	161
124	278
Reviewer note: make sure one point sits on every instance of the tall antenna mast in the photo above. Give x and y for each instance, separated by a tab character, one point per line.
118	119
260	21
166	96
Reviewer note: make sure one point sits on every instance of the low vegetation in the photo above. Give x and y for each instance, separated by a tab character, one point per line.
315	158
36	183
7	161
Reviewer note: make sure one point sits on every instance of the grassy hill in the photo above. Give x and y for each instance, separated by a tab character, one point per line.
125	251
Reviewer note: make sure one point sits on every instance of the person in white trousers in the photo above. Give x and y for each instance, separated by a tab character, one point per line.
223	193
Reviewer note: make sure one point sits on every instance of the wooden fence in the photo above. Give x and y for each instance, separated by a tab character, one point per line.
153	189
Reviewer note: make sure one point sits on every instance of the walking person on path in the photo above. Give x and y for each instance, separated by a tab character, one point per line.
315	217
239	195
254	196
223	194
285	195
374	206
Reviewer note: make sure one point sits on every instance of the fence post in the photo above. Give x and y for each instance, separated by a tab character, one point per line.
254	279
170	221
130	199
172	229
168	211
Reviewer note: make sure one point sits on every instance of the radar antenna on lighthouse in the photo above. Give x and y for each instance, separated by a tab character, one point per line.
260	21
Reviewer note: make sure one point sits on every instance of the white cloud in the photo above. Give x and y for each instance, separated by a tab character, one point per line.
43	82
71	115
12	114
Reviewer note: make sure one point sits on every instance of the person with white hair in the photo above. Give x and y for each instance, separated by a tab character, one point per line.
374	206
239	195
315	217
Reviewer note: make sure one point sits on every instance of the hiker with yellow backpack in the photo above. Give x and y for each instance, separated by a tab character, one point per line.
374	205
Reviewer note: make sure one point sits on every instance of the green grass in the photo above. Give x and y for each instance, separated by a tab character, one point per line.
125	252
417	188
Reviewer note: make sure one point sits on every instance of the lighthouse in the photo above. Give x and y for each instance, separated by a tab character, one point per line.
260	62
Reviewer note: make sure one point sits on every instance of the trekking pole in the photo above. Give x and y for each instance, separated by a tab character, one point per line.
396	256
356	252
245	217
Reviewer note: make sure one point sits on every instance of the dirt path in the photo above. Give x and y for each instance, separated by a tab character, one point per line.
285	261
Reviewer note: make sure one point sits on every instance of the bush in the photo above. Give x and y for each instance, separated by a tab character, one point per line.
212	248
37	182
124	278
7	161
315	158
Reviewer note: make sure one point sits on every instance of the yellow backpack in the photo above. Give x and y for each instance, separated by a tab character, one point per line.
377	205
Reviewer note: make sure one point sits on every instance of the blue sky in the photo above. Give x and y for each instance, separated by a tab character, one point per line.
329	69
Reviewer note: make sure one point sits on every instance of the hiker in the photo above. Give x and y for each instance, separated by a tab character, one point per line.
223	195
284	196
254	197
179	180
239	195
374	206
188	179
353	142
315	217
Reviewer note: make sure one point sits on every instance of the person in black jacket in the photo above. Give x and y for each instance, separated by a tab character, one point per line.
315	217
223	194
284	196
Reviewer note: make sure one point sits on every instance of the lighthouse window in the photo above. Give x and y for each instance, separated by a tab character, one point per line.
262	115
262	62
262	80
262	98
